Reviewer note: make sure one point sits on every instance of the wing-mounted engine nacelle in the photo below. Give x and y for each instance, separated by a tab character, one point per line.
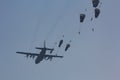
48	58
27	56
51	51
31	56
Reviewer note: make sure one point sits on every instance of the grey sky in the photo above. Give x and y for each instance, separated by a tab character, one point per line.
25	24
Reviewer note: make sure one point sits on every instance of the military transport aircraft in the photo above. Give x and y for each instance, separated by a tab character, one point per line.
42	54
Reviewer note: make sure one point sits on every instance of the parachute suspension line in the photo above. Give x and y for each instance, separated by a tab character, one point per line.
96	12
54	44
34	36
67	44
35	33
54	26
92	16
62	40
80	28
91	20
93	24
60	44
82	18
100	5
82	21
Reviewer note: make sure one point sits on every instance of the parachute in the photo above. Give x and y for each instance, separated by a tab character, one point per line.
95	3
60	43
97	12
82	17
67	46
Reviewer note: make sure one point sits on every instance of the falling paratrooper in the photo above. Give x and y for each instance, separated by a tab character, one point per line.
82	17
95	3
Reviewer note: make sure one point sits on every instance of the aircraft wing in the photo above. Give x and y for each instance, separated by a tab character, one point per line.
38	48
49	49
28	54
51	56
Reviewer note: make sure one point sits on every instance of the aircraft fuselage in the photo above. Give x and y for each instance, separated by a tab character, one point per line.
40	57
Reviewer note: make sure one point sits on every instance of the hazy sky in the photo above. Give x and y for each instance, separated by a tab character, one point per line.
25	24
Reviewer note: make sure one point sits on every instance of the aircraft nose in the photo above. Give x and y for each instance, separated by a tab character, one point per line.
36	62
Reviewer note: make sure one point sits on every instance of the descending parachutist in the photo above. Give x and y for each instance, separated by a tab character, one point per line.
51	51
82	17
100	4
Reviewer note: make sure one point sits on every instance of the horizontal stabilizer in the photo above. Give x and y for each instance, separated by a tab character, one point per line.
38	48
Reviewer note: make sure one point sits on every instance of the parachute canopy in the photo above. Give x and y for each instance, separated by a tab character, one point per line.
60	43
82	17
67	46
97	12
95	3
